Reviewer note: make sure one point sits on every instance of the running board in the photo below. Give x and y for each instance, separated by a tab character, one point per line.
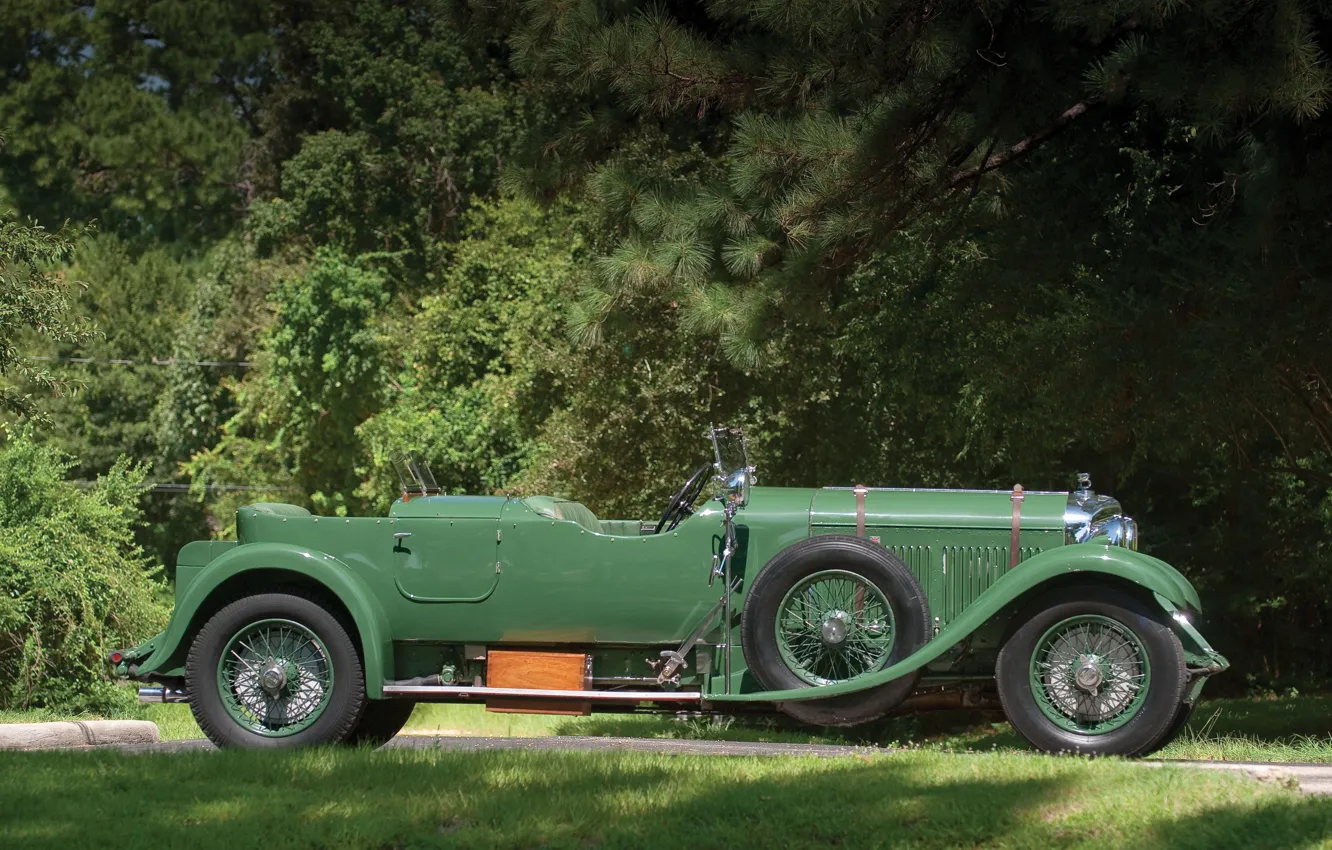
541	693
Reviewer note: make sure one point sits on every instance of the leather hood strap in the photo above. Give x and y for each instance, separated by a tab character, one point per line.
860	490
1013	550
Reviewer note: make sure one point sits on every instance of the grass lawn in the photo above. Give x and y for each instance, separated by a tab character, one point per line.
433	798
1295	729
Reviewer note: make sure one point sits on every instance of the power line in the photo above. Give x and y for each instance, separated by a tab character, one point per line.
186	488
170	361
211	488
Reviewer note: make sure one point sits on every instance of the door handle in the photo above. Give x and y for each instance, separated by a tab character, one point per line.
400	535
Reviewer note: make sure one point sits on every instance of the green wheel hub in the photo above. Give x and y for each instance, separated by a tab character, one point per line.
834	625
1090	674
275	677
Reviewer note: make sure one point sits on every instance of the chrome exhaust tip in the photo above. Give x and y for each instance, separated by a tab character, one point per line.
151	695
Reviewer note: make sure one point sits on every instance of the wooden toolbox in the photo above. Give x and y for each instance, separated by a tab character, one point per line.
551	671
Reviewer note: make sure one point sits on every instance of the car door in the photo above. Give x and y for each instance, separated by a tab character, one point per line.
440	560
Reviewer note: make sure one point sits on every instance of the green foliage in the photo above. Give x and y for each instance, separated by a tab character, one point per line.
321	376
36	300
138	302
386	125
132	112
835	125
481	358
73	583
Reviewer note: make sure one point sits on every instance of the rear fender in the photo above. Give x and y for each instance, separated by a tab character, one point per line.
324	569
1164	583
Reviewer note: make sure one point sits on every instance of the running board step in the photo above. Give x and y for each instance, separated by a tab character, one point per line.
541	693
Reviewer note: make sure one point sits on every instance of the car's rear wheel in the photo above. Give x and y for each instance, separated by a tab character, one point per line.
1092	671
383	719
831	609
274	670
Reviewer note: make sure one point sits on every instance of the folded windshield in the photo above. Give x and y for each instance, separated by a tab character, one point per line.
414	474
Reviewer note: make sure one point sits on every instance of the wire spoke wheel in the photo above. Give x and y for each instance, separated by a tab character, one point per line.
275	677
833	626
1089	674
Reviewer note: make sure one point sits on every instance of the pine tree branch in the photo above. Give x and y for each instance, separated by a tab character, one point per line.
1024	147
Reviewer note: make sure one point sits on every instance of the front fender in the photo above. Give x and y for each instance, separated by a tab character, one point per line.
1091	558
337	577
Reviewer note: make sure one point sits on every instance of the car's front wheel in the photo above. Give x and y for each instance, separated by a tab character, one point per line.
275	670
1092	671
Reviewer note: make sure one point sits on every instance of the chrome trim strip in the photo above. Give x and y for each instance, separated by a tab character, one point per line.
577	696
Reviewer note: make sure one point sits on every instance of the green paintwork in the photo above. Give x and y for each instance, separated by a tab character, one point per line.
939	509
1091	560
540	571
351	589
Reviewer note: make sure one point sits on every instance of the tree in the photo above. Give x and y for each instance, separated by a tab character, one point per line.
829	127
34	300
132	112
321	376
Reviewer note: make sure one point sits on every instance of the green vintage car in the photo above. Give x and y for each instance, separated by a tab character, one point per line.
834	606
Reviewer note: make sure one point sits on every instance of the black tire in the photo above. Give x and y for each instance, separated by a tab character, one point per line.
872	562
1181	720
383	719
345	704
1142	733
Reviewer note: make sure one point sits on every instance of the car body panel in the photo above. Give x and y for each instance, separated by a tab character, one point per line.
443	571
346	582
1092	560
950	509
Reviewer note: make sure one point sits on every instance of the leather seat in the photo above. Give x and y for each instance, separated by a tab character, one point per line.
549	506
569	510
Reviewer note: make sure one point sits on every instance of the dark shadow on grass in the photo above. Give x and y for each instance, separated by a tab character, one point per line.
388	799
1291	824
950	730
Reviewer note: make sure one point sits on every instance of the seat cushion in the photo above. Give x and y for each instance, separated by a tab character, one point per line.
564	509
277	508
622	527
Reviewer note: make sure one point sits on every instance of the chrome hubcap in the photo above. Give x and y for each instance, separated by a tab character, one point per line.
273	677
1088	677
834	627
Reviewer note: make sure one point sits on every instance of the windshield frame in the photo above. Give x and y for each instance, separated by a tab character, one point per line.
734	475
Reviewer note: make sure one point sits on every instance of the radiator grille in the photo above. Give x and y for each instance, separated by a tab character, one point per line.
967	572
918	559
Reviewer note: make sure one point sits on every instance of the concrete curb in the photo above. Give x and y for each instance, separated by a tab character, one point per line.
76	733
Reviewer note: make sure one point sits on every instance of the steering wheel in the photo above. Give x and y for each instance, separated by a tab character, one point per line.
681	504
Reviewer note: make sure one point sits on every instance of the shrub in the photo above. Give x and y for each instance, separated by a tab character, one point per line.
73	583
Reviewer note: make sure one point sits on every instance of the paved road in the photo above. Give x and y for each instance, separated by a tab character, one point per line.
1311	778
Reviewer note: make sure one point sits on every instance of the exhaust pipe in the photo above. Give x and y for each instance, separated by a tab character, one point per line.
150	695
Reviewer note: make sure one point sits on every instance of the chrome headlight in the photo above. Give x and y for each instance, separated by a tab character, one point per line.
1089	516
1117	531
